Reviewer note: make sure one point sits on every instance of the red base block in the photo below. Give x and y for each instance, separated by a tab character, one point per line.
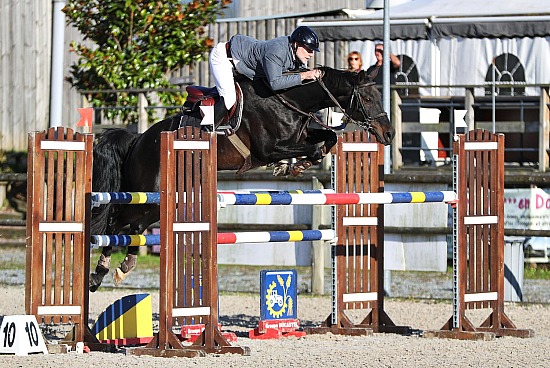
128	341
190	333
275	329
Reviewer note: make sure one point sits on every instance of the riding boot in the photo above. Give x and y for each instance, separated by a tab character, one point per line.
101	270
220	112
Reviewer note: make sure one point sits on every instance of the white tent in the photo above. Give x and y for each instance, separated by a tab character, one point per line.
454	42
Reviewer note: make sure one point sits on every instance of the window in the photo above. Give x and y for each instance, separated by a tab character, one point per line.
507	68
408	73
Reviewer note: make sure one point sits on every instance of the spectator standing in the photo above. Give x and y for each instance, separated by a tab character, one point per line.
374	72
355	61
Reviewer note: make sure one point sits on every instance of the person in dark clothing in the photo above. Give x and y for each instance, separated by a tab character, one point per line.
374	72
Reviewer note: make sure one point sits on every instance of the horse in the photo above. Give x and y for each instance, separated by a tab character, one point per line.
274	126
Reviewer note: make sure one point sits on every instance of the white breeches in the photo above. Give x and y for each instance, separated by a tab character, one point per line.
222	71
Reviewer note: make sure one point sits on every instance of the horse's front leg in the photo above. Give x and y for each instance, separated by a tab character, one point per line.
328	137
307	153
314	137
101	269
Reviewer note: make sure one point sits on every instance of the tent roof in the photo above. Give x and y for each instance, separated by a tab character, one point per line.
463	8
423	19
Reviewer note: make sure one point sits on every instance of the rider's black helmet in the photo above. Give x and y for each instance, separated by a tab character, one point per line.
305	36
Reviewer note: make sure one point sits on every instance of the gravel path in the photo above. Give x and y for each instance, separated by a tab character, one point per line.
239	313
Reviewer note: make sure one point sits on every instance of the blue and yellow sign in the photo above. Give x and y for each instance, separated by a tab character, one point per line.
278	294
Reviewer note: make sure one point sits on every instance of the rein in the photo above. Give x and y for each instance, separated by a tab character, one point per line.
310	115
354	97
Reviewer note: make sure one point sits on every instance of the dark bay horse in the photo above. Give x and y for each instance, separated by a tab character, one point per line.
274	127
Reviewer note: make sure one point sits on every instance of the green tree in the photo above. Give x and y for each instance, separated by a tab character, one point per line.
137	44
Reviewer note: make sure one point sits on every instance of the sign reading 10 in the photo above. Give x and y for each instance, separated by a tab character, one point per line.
9	333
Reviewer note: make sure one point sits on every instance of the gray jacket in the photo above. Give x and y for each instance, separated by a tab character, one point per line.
268	59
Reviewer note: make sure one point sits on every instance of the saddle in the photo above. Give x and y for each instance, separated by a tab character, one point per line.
208	96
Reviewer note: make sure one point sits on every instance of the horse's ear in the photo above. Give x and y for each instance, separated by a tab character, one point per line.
364	80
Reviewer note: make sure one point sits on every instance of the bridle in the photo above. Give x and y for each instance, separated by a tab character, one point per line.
355	104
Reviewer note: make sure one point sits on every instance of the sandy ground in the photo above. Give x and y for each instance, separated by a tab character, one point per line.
239	313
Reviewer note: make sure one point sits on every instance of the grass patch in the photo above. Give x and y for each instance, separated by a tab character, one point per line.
149	261
540	272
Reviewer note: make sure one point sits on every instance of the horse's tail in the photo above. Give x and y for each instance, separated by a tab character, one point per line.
110	151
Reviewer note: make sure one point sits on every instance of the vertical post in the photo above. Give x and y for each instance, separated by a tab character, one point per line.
397	121
167	193
189	269
318	247
544	129
478	244
58	52
469	100
143	121
358	255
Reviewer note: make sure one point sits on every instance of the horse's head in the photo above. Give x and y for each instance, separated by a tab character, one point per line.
362	103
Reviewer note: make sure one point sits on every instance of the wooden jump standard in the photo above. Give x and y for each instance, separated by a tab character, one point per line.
59	183
478	239
188	255
189	251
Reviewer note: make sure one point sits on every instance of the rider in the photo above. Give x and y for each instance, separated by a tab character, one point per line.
255	59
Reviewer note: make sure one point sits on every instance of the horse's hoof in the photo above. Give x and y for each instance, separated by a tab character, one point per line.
129	263
97	277
95	281
281	169
300	167
119	276
125	268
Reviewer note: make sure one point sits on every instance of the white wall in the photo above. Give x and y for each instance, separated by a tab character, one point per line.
465	61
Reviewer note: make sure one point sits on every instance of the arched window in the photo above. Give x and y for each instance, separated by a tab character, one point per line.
507	68
408	73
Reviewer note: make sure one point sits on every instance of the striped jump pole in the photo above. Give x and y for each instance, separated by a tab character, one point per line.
257	199
101	198
275	236
223	238
98	241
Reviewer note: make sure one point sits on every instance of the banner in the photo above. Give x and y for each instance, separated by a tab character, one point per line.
527	209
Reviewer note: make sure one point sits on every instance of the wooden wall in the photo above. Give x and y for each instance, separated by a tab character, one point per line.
25	49
25	59
255	8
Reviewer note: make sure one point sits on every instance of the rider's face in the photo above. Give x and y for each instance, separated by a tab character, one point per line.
303	53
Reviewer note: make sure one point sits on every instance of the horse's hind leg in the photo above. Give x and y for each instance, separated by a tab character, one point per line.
126	266
102	268
148	217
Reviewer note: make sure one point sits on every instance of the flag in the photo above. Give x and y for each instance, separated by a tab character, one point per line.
86	116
